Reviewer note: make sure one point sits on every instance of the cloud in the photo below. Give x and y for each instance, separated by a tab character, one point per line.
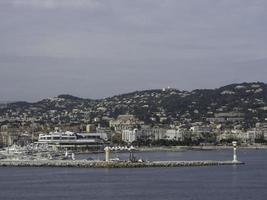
51	4
115	46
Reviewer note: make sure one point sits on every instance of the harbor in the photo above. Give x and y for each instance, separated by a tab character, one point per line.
132	162
99	183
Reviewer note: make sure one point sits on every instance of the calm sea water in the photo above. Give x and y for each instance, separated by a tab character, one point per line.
204	183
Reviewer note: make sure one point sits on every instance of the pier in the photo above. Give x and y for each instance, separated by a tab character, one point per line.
111	164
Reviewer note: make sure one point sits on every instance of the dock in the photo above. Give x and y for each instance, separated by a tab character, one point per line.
112	164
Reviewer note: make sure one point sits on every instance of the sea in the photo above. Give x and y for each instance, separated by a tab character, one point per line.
241	182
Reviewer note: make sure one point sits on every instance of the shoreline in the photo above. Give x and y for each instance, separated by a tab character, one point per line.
200	148
181	148
176	149
112	164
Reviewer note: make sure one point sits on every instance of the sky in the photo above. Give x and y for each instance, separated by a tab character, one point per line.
100	48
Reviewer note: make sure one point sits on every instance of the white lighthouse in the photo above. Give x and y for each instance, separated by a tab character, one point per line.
107	149
234	151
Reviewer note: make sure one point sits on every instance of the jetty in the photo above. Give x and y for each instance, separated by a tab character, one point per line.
111	164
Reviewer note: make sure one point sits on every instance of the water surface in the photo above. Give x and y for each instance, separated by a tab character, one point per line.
204	183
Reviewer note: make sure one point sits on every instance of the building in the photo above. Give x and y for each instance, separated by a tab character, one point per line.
173	134
90	128
74	141
250	136
261	128
148	133
129	135
125	122
152	134
10	138
200	131
223	117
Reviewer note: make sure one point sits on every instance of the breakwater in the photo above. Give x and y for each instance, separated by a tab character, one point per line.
111	164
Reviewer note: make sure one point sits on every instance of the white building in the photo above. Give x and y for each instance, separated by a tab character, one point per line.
129	135
200	131
153	134
71	138
262	128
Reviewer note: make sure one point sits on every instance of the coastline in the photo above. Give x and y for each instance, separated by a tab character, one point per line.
200	148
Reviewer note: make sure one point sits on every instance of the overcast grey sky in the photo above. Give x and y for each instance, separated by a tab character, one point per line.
99	48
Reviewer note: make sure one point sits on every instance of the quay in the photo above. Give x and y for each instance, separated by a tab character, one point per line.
111	164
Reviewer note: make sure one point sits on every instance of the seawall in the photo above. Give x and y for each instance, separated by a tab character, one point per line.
111	164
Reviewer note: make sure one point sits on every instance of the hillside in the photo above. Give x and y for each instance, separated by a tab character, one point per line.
152	106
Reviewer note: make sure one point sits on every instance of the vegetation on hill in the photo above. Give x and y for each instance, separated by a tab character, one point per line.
151	106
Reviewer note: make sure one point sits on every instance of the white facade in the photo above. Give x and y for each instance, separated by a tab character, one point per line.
262	128
70	137
129	135
152	133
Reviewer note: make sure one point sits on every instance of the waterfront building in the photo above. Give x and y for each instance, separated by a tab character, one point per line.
226	136
200	131
173	134
129	135
151	133
71	140
250	136
262	128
